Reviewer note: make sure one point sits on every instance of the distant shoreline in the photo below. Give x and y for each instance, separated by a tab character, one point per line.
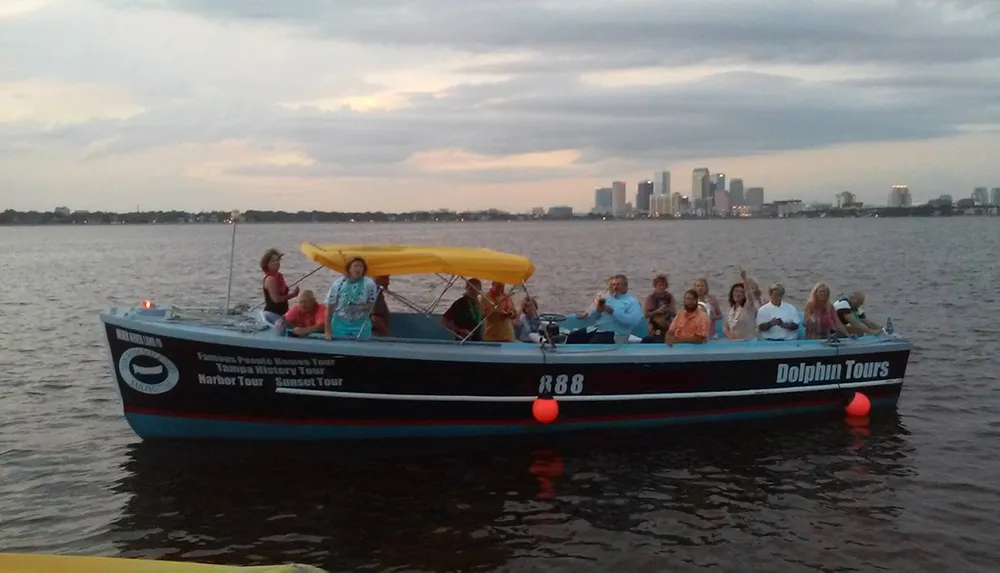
36	218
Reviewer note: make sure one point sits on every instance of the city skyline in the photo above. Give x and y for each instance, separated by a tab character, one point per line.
470	105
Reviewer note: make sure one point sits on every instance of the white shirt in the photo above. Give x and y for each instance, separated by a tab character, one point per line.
786	312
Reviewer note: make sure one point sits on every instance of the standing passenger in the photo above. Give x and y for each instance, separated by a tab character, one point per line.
276	292
349	303
499	313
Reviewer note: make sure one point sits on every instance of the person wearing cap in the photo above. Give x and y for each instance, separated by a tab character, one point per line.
778	320
852	316
276	291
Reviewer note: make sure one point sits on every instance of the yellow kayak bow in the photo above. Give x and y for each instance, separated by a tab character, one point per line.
22	563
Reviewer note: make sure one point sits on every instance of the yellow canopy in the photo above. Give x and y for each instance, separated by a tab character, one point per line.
417	259
23	563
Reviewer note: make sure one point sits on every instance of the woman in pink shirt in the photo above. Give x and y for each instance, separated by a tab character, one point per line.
819	317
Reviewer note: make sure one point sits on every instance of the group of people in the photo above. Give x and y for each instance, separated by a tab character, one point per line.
355	307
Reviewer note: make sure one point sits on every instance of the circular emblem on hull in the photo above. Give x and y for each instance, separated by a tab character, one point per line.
148	371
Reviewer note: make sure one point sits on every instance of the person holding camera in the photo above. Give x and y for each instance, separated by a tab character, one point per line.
616	314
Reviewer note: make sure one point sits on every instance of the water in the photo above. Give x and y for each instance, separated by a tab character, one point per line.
916	491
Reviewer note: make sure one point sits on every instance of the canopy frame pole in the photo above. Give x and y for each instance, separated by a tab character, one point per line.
368	315
485	314
232	259
311	273
448	284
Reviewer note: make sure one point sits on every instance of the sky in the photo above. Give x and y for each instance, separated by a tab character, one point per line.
396	105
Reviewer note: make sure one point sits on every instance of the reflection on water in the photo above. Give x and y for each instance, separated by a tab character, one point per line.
487	505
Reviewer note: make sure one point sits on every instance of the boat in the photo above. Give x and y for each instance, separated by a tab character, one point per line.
202	373
36	563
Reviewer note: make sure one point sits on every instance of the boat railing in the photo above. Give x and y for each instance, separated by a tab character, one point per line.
237	318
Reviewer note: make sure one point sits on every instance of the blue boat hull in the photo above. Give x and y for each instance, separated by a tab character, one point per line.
150	426
195	382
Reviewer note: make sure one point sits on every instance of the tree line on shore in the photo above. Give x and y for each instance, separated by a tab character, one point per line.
12	217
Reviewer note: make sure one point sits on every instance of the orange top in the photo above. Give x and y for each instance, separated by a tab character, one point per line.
498	328
687	324
297	317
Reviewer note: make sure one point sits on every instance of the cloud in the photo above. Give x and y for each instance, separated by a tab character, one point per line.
446	91
628	33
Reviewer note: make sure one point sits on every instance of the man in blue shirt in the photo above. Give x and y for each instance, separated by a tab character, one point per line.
616	313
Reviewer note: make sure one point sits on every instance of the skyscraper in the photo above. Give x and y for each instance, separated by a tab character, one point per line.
995	196
602	201
899	196
980	196
736	192
723	207
618	198
661	183
718	183
699	184
643	196
845	199
755	198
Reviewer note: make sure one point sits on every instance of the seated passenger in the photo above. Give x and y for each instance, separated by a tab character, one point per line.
778	320
276	292
307	317
617	313
852	316
499	312
465	315
659	310
819	316
529	322
349	303
708	302
380	310
691	325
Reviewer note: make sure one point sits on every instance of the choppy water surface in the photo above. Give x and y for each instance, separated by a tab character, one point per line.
916	491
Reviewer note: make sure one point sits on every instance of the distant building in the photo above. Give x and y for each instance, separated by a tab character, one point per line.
537	211
736	192
995	196
679	205
789	207
723	207
899	196
602	201
661	184
61	212
618	199
980	196
644	196
660	205
561	212
700	184
718	183
755	198
845	199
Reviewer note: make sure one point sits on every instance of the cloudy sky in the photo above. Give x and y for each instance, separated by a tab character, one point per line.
417	104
